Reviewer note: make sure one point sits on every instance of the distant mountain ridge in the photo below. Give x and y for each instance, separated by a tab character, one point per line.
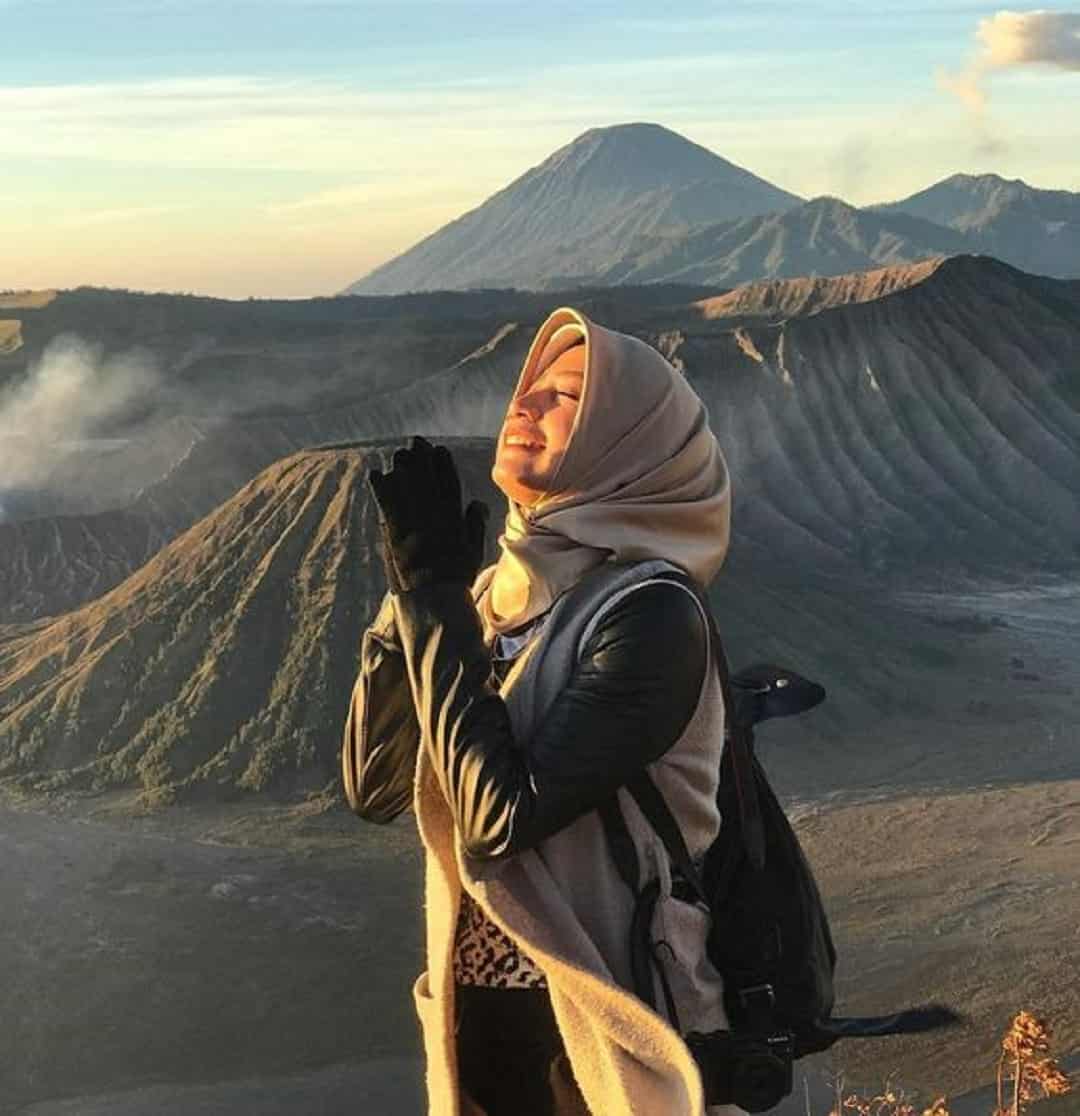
822	237
1033	229
778	299
638	203
972	201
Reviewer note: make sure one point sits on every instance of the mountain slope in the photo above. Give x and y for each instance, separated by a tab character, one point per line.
52	564
898	421
225	663
934	426
1037	230
212	362
573	211
224	666
822	237
777	299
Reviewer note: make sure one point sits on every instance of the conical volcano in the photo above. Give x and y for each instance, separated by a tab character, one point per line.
226	663
563	219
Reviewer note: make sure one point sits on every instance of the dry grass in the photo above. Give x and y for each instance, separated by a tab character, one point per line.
1025	1056
1026	1072
10	335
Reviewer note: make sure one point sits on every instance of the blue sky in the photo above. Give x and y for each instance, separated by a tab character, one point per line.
286	147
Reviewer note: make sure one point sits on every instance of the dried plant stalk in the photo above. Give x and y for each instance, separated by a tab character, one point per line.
1026	1045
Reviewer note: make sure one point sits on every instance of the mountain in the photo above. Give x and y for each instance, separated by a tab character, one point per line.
896	438
209	363
825	236
912	432
227	661
569	216
638	203
1037	230
202	362
906	419
224	666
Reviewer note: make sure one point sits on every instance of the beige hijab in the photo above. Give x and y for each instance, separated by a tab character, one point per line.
642	477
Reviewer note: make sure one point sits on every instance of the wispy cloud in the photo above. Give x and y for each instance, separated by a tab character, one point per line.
341	197
113	216
230	121
337	125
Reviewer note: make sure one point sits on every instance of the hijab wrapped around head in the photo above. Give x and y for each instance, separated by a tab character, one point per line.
642	477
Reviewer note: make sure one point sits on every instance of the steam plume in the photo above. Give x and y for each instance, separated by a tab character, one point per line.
70	395
1009	40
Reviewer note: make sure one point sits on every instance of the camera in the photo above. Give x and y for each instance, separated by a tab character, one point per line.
752	1071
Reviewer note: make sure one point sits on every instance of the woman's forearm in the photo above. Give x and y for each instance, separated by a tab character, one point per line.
378	756
463	722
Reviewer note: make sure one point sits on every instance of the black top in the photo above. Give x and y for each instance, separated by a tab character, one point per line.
628	699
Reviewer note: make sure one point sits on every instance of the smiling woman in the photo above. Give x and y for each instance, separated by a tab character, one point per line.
538	426
510	710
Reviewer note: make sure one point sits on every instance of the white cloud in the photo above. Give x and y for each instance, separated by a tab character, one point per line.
1011	40
1031	38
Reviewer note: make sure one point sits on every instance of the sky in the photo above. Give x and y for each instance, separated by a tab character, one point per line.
284	148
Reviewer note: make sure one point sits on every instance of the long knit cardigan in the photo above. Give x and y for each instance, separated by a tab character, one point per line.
565	906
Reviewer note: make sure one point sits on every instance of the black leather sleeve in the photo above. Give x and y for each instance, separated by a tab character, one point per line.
378	755
627	701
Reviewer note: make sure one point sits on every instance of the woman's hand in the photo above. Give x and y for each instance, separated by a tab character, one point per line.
425	536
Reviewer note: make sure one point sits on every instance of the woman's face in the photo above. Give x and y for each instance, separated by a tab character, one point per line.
537	428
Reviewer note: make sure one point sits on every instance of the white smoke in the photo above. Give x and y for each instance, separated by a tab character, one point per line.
1010	40
70	396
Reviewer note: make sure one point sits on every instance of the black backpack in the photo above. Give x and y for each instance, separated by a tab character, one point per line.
769	937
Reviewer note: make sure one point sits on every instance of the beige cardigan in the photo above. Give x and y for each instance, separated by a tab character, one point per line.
565	905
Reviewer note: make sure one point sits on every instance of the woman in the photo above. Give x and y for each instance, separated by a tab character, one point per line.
507	721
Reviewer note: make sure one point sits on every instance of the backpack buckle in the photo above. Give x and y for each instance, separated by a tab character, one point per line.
759	1000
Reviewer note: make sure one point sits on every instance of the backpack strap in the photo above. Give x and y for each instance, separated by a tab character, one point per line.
642	949
651	802
739	741
620	843
738	737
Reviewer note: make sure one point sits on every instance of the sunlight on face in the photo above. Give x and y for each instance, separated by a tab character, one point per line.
537	429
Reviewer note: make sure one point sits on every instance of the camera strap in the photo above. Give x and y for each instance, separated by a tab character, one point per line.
643	950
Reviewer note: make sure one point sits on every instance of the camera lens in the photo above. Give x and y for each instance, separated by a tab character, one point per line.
760	1081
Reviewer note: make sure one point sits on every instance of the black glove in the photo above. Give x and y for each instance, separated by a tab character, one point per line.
425	537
